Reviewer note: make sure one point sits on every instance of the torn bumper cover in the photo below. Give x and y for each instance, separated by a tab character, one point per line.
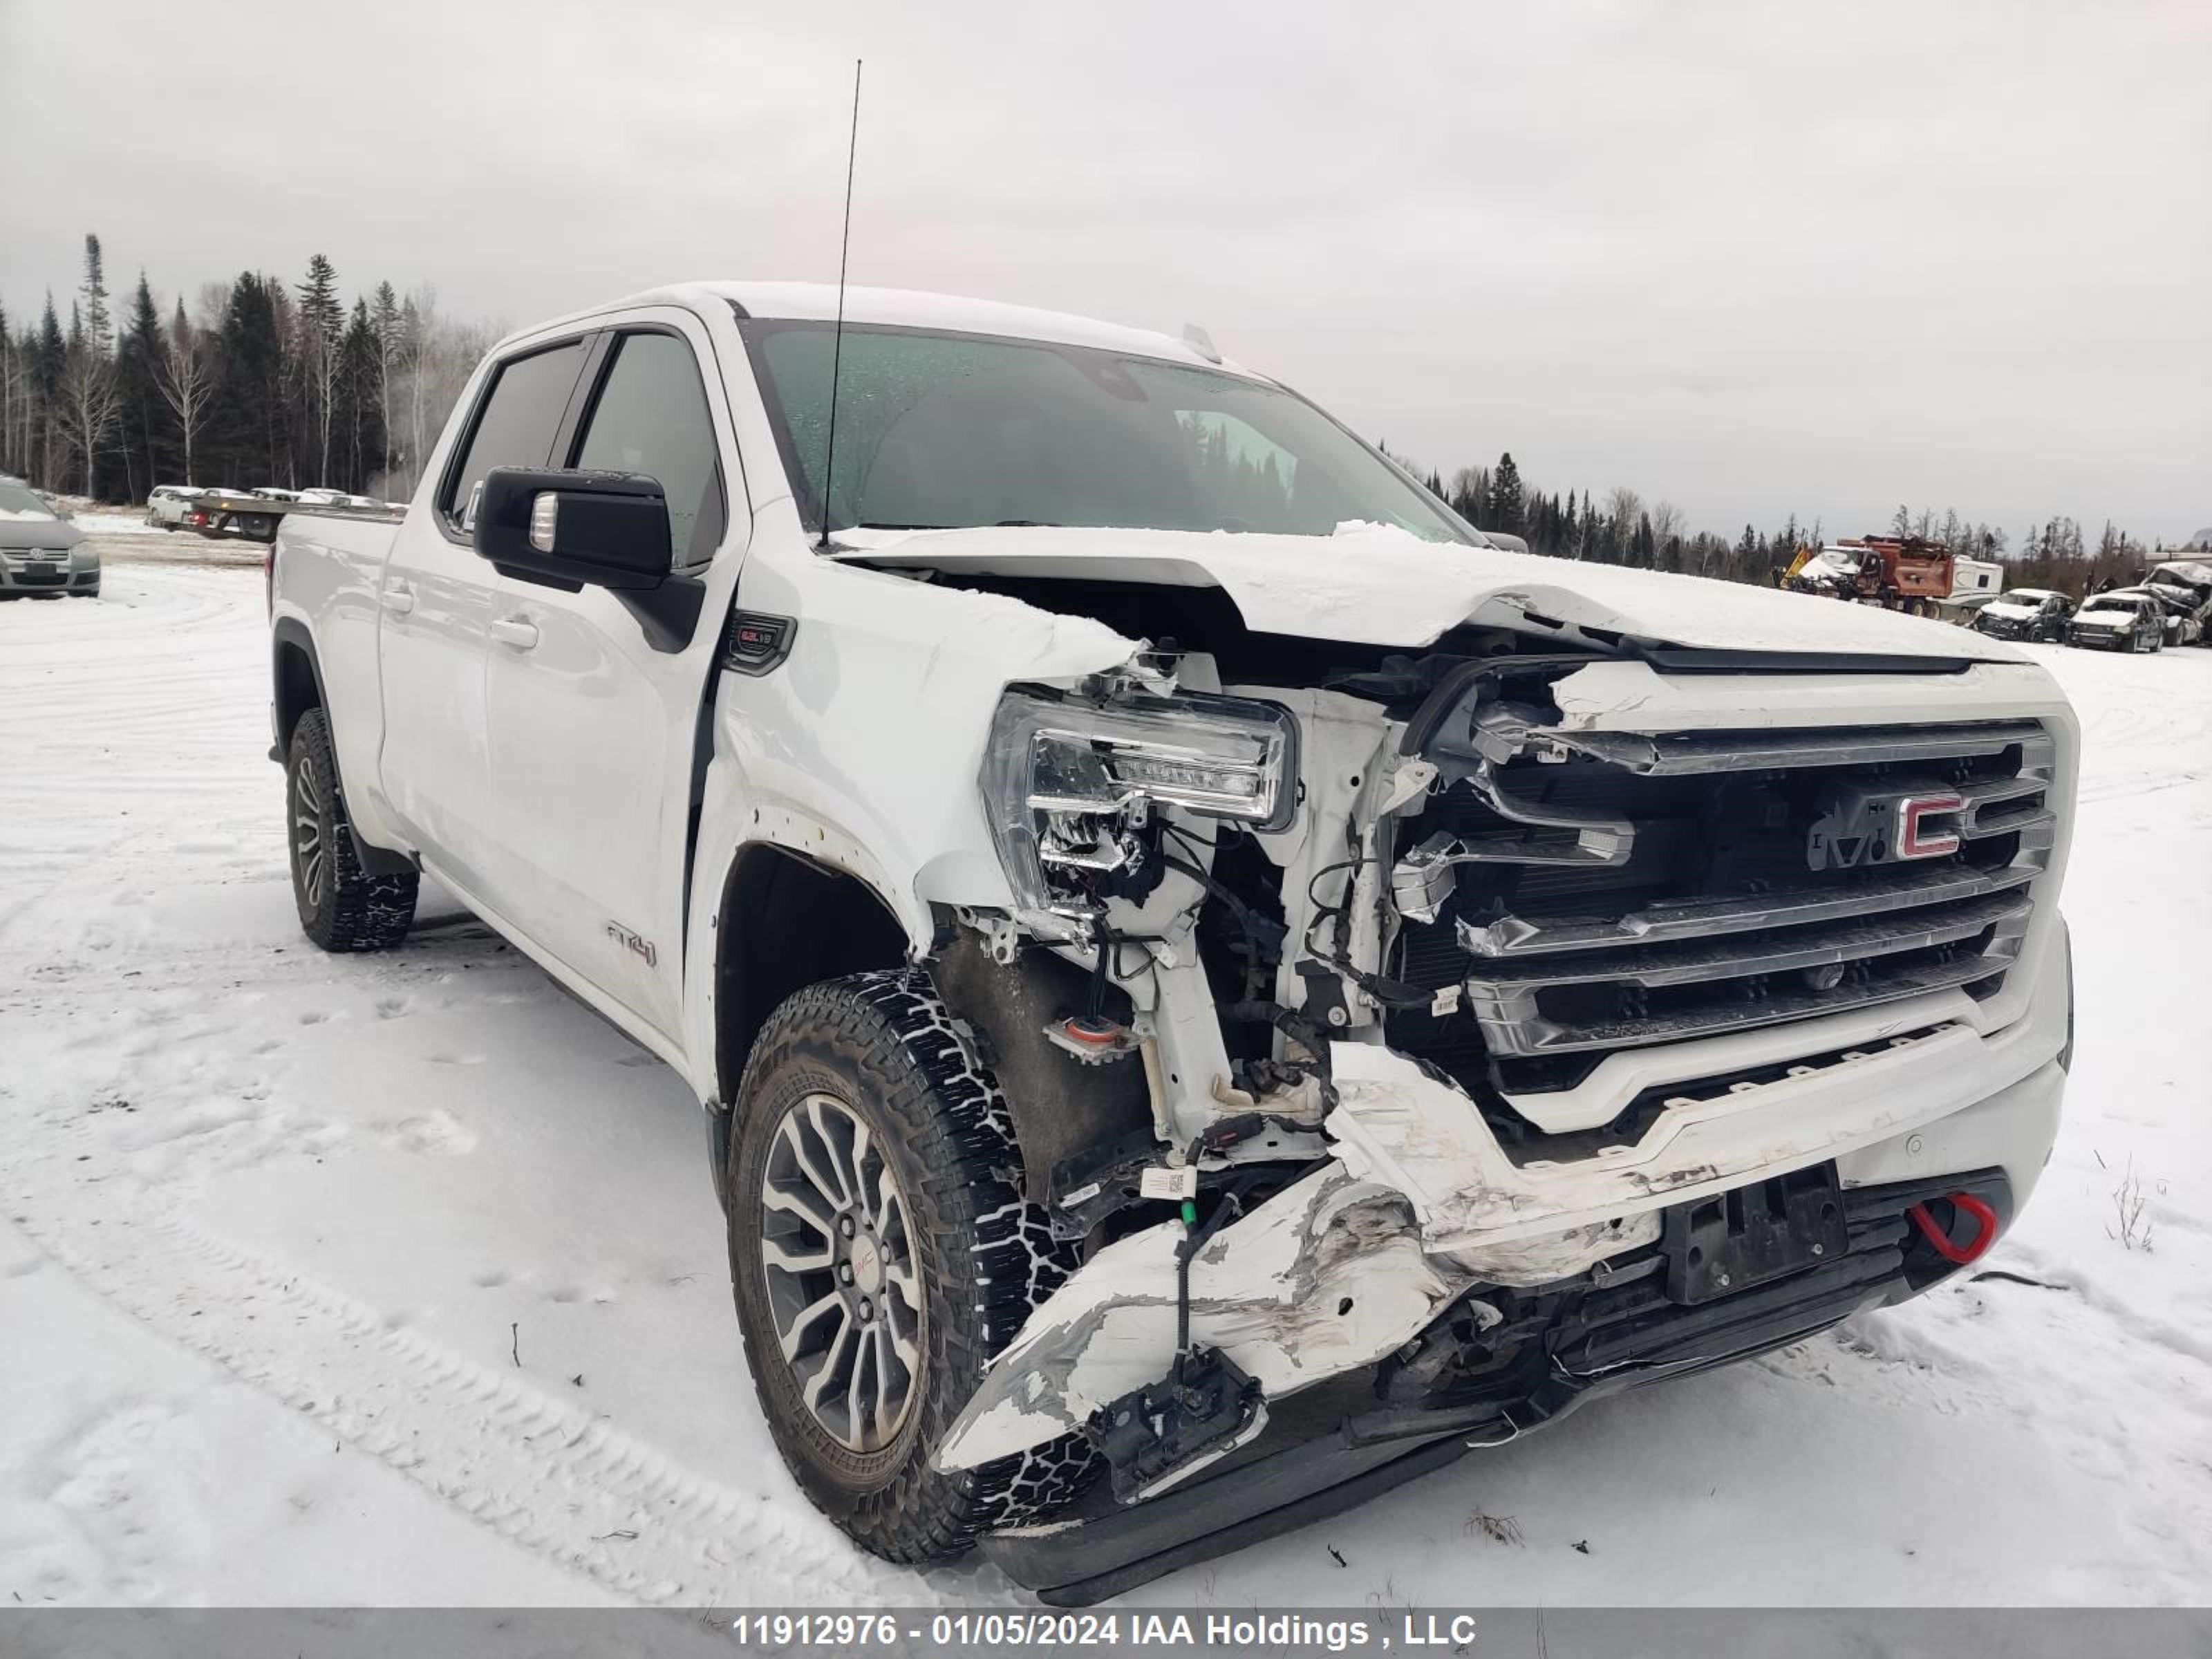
1417	1294
1468	1382
1345	1265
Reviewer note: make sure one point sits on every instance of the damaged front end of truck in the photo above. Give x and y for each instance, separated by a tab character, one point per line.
1408	1048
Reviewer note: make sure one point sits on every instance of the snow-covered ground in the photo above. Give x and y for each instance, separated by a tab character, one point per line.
397	1279
116	521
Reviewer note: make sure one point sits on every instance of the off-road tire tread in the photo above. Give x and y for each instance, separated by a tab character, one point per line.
359	911
890	1033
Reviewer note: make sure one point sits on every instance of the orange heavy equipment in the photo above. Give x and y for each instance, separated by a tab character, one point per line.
1898	572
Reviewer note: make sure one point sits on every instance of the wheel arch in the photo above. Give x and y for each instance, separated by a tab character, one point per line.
783	921
295	679
296	686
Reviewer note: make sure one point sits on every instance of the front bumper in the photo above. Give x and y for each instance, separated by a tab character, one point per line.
64	573
1570	1342
1321	1289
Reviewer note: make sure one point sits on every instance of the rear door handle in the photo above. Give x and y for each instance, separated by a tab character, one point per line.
514	631
398	597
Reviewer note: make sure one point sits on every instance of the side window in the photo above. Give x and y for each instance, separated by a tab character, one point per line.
652	417
516	425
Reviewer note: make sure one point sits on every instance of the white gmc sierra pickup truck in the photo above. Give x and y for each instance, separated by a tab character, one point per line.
1215	988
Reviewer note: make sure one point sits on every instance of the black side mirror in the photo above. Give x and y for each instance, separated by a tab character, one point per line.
568	529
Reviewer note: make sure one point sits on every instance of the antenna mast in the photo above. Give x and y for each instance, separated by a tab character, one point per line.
837	345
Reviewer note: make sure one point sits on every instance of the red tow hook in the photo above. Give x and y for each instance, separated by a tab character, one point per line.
1985	1229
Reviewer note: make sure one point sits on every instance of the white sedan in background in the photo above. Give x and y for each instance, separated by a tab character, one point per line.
166	505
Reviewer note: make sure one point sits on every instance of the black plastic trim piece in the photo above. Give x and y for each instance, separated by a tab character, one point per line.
668	614
1682	659
1451	690
1252	1502
758	642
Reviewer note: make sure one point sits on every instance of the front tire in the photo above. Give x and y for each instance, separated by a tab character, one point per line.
881	1255
342	907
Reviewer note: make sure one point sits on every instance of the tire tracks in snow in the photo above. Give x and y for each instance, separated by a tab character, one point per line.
541	1471
547	1475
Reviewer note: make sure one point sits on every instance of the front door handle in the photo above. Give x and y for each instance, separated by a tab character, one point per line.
514	631
398	597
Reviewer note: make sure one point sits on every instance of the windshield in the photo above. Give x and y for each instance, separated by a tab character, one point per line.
2195	580
17	502
2110	610
953	431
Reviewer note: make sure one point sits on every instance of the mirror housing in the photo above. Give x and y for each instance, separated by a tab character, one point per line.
569	529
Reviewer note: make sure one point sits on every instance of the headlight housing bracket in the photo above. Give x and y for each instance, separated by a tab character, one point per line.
1071	783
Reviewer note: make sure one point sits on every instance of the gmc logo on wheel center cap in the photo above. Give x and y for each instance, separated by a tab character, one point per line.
1860	827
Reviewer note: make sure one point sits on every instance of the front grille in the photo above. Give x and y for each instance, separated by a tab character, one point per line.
1611	890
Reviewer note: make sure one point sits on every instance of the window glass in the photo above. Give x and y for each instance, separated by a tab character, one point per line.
651	417
521	417
941	431
17	502
1240	473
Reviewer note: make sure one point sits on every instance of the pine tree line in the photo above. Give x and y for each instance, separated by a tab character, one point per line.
267	384
1622	529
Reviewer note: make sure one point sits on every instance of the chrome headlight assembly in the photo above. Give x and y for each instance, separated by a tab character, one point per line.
1070	784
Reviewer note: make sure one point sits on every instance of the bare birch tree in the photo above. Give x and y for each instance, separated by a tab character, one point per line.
90	405
186	378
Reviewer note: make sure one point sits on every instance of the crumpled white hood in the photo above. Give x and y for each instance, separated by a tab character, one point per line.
1378	585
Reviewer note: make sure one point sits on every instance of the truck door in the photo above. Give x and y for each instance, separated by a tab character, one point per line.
595	708
434	608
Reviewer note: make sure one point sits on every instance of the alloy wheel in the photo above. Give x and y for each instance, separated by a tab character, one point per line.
838	1257
310	855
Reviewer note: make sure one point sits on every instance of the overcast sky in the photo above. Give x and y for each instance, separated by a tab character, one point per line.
1819	258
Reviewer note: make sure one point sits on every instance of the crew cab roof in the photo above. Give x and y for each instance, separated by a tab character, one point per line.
898	307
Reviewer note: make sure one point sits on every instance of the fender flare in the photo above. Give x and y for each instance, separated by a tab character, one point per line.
291	633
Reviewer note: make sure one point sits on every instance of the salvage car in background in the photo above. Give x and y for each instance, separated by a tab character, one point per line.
2184	585
2118	621
1160	1091
2026	613
2176	613
41	553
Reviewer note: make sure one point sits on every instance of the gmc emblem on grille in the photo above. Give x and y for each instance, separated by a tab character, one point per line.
1859	826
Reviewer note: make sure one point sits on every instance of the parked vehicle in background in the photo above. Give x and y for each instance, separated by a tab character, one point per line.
2118	621
271	493
253	516
2026	613
199	512
2184	585
1975	583
236	515
332	498
41	553
1907	573
1157	1092
166	505
2176	615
